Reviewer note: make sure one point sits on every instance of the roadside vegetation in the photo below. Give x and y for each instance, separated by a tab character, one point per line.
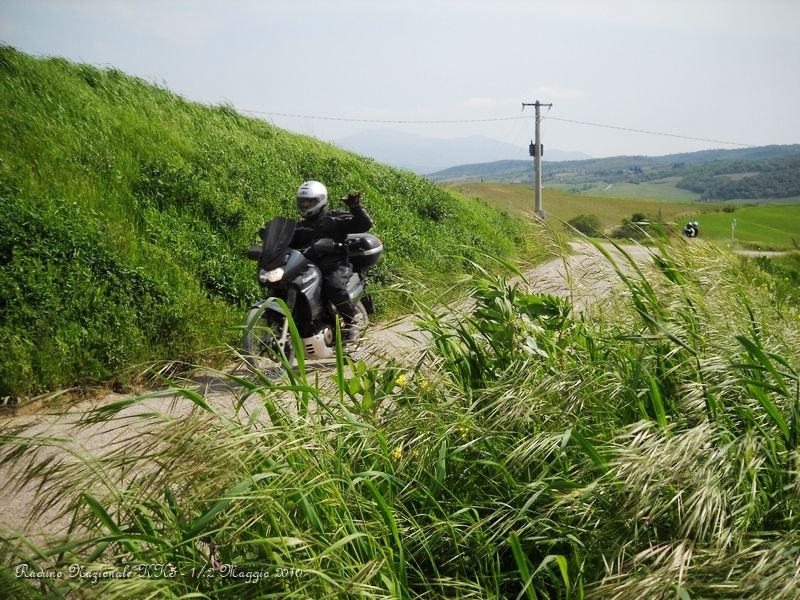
645	448
127	210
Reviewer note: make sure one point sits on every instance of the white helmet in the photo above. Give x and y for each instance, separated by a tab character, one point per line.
312	196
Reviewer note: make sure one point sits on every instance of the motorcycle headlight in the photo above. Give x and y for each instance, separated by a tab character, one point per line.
270	276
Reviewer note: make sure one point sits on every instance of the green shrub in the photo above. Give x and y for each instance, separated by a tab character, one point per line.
586	224
75	310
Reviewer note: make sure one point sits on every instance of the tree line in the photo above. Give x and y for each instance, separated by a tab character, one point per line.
768	178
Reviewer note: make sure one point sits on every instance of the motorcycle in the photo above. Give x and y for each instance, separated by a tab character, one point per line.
286	274
691	230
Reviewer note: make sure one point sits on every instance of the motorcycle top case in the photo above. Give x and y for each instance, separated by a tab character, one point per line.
364	250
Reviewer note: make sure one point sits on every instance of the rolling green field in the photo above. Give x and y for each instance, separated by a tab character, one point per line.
662	189
560	205
765	226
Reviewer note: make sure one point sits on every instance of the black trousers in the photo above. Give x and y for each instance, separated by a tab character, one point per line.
335	275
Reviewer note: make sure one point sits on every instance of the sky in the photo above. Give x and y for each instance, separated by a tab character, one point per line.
719	70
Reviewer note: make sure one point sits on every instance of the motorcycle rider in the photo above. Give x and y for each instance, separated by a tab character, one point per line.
318	223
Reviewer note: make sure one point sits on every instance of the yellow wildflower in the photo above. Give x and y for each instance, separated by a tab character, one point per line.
397	453
401	380
424	385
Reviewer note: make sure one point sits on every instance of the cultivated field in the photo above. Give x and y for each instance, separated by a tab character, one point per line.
765	226
662	189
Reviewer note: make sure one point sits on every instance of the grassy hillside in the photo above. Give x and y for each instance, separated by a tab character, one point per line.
126	210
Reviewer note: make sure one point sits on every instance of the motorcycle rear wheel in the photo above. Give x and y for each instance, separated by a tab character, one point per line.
266	334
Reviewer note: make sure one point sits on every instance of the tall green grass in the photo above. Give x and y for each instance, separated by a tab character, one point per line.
643	448
127	209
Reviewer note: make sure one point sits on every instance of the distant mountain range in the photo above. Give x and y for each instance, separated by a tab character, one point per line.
424	155
759	173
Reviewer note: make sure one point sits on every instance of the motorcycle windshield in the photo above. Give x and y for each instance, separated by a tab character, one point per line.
277	236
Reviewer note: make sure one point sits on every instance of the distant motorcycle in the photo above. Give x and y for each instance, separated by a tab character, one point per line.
285	273
692	229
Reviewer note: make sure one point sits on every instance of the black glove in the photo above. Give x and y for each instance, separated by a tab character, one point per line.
353	199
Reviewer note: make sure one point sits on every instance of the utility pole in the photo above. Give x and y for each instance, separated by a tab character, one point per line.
537	159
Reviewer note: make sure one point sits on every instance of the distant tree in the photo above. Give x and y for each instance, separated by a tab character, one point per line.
634	228
586	224
766	178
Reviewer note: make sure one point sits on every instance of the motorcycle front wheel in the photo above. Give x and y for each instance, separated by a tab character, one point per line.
266	336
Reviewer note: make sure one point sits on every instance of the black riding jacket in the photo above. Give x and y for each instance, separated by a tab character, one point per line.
334	224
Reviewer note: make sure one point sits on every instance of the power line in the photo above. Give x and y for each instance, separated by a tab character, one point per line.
396	121
673	135
489	120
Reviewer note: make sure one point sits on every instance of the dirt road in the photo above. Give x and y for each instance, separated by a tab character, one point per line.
761	253
585	275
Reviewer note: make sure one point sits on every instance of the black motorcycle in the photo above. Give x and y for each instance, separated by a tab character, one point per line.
691	230
286	274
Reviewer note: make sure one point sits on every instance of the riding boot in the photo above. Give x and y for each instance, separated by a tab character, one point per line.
351	322
337	274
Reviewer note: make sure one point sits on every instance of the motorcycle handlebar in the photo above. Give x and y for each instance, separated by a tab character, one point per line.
326	245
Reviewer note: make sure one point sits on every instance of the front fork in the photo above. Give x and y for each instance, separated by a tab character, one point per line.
291	298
